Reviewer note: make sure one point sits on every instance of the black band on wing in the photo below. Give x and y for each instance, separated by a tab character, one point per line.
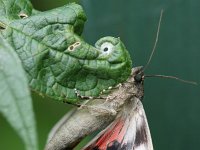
141	135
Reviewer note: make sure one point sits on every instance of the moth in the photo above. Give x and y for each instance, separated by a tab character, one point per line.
121	111
130	130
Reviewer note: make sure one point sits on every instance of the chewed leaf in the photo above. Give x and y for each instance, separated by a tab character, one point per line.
15	99
13	9
56	58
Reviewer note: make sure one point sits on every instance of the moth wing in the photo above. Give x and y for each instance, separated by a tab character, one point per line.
129	131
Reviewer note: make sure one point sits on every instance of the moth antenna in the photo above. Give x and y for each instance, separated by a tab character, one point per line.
156	41
154	48
172	77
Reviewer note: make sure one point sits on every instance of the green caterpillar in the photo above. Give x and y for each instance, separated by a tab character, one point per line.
56	58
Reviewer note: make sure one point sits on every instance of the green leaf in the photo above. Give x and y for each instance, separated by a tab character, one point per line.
58	61
15	99
11	9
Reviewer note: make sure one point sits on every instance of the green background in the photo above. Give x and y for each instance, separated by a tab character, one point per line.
172	108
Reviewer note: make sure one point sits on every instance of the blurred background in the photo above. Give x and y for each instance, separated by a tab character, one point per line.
172	108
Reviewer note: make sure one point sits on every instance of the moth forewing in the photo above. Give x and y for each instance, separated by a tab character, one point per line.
143	135
128	131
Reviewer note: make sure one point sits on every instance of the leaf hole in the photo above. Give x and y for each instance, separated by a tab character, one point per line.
105	49
71	48
2	26
77	44
23	15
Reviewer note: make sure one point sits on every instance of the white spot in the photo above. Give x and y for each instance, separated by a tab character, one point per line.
23	15
119	85
77	44
73	46
107	47
110	87
140	112
141	147
2	26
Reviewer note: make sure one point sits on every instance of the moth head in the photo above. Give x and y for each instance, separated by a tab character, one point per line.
137	75
111	49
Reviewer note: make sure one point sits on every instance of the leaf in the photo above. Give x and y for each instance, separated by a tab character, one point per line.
58	61
15	100
11	9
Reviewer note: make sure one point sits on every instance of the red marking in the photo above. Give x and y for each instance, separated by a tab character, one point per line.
117	131
123	131
105	136
110	135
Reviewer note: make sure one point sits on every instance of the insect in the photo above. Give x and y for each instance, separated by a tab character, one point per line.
56	58
129	128
129	131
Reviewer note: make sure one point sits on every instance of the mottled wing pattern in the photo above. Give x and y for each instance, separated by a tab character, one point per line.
129	131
